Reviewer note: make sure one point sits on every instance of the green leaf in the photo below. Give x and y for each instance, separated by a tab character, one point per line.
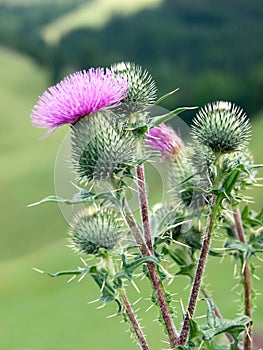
83	196
230	181
251	217
165	96
216	326
128	268
246	250
165	117
79	271
107	290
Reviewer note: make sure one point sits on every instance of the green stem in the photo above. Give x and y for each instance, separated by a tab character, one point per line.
215	204
248	344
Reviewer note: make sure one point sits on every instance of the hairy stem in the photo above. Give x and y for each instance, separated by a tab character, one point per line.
247	281
184	334
154	277
135	325
144	206
127	306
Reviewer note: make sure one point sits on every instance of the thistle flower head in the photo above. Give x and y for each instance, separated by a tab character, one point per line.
93	229
221	126
79	94
100	149
164	139
142	89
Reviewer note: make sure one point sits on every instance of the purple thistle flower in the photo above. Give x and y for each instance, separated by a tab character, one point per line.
77	95
164	139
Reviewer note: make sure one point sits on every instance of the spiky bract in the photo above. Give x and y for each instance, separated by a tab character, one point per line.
142	89
93	229
222	126
100	149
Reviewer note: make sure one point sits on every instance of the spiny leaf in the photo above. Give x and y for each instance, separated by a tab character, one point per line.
246	250
128	268
215	326
165	96
165	117
83	196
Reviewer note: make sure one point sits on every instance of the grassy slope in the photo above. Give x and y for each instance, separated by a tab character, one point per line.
38	313
94	14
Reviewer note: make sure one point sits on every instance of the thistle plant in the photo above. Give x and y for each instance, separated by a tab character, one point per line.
113	134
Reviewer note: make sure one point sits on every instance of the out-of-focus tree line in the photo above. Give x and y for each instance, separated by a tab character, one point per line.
210	49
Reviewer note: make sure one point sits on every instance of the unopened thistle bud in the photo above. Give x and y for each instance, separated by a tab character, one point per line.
221	126
164	139
100	149
93	229
142	89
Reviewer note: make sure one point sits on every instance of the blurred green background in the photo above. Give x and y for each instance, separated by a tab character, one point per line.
211	51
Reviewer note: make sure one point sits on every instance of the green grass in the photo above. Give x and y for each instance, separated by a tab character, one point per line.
37	312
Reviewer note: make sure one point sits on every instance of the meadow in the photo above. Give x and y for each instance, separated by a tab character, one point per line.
37	312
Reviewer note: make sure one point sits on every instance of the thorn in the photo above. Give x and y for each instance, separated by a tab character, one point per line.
200	316
93	301
149	308
256	277
135	287
81	278
84	262
71	278
182	306
33	204
38	270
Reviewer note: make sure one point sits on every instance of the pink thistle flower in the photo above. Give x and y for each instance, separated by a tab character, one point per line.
77	95
164	139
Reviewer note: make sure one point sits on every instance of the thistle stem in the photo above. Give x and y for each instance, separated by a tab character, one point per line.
247	281
154	277
135	325
184	334
127	306
144	206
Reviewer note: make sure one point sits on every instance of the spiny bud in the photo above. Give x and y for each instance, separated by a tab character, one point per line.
142	89
93	229
222	126
100	149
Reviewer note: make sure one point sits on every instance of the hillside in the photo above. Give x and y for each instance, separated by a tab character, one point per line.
93	15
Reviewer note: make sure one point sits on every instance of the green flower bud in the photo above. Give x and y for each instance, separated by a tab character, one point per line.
100	149
221	126
93	229
142	89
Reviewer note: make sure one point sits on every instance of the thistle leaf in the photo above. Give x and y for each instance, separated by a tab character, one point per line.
165	117
128	268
